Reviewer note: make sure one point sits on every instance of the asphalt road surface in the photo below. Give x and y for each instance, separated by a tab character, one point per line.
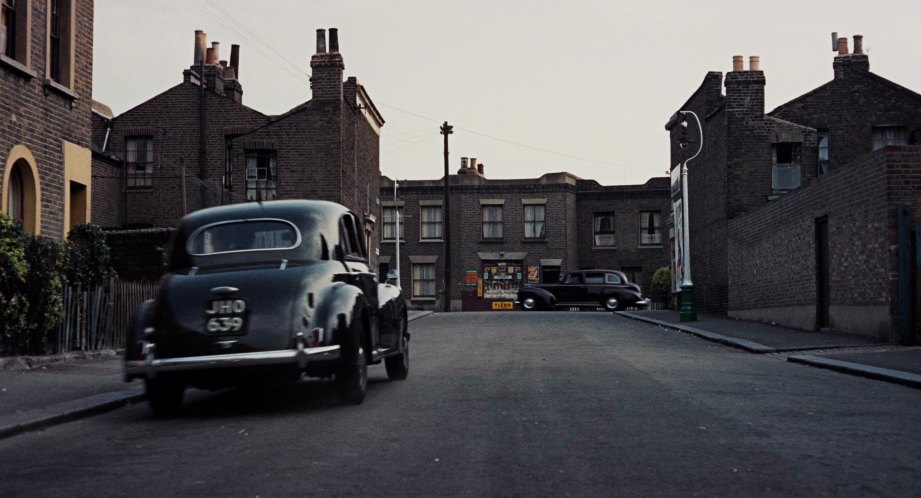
508	404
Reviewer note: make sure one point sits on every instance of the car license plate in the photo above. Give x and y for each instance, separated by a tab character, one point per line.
226	316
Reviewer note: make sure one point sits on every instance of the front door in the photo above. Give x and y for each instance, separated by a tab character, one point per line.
821	273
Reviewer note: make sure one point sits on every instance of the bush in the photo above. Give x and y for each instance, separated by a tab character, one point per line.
661	284
89	261
44	292
13	272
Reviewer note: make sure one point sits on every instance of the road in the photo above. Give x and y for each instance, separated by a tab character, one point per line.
508	404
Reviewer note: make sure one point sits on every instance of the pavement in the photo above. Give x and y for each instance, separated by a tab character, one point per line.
42	391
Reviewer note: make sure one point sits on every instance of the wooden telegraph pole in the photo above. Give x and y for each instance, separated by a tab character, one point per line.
446	130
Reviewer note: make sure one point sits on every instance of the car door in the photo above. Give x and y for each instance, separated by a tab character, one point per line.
593	288
569	291
356	260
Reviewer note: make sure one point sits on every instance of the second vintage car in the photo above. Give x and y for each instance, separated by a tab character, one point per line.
267	291
608	289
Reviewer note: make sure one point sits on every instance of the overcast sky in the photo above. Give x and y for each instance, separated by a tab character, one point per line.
531	86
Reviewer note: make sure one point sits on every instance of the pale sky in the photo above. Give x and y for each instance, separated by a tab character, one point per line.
531	86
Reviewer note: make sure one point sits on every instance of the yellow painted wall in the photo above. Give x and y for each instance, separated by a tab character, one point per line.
77	169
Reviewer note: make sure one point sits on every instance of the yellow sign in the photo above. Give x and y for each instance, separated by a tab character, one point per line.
503	305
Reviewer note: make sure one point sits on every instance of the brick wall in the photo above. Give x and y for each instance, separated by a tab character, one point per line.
139	255
773	254
40	117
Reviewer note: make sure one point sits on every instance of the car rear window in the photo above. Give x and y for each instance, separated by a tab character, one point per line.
243	235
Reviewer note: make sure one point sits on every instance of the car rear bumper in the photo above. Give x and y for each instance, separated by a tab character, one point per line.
642	303
150	365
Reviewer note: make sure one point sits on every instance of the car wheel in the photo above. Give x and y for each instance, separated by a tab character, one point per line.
163	396
352	378
398	366
611	303
529	304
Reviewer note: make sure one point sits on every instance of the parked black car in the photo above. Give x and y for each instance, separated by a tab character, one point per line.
608	289
267	291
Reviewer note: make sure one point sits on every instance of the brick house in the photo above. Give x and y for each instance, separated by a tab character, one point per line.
793	213
46	81
197	145
505	233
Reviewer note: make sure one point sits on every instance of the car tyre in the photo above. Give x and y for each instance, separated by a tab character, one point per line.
352	378
163	396
398	366
612	303
529	304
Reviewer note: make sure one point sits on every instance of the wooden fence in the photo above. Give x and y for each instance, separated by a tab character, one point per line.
99	318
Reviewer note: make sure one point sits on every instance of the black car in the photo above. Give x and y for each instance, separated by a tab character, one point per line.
608	289
262	292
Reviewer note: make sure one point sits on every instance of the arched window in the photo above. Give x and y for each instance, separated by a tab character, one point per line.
21	195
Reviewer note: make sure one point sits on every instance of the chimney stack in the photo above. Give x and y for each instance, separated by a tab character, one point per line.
738	63
754	63
333	40
235	59
321	41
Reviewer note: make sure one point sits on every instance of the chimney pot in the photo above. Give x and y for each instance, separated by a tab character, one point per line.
210	58
754	63
333	40
463	163
479	168
472	163
842	46
738	63
199	47
858	44
235	58
217	51
321	41
834	41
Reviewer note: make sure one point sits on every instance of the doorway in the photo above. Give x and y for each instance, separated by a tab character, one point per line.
822	281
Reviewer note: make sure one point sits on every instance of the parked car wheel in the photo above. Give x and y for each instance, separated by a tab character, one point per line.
398	366
611	303
163	396
529	304
352	378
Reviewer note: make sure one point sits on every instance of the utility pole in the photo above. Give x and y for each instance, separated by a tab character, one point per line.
446	130
396	211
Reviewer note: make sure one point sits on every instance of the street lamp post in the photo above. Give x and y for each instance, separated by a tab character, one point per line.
396	211
688	310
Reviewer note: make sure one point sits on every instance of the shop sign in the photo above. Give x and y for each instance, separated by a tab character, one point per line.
503	305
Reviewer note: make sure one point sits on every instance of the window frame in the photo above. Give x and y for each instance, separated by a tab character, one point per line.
268	190
822	143
426	225
535	223
136	178
60	42
788	170
388	223
16	47
597	224
900	140
492	229
656	235
423	280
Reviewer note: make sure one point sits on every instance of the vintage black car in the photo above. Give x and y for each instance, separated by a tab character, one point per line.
608	289
267	291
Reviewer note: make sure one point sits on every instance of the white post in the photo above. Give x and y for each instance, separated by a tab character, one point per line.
686	274
396	213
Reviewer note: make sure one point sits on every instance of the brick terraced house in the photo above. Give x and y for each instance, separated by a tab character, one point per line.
802	216
505	233
46	81
197	145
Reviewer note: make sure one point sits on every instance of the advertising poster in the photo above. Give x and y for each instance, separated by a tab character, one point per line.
533	274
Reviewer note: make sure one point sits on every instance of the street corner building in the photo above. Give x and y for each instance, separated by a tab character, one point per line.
507	233
46	81
197	145
803	216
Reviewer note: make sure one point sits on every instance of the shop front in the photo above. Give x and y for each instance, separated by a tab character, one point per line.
494	285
